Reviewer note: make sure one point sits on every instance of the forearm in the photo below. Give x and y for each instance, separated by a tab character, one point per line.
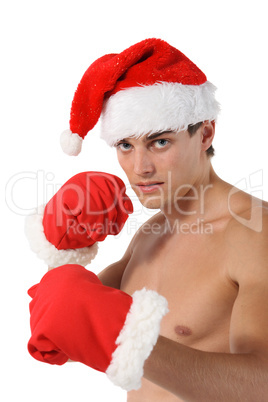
197	376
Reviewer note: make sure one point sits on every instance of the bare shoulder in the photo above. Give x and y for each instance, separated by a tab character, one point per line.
250	221
246	237
153	227
112	275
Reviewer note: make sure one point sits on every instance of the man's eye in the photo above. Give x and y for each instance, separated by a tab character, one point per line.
123	146
161	143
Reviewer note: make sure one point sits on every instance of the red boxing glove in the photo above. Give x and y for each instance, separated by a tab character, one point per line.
74	316
85	210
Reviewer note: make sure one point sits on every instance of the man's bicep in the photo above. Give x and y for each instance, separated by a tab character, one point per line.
248	267
249	321
112	275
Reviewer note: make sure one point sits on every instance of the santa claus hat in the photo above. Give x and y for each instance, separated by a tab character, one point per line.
149	87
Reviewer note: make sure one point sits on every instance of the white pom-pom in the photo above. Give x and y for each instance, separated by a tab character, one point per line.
71	143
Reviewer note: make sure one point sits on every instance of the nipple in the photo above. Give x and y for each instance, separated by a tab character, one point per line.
182	330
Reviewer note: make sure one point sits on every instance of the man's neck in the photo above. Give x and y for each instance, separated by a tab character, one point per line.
205	201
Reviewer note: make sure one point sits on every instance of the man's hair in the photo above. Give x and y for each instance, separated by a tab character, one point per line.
192	129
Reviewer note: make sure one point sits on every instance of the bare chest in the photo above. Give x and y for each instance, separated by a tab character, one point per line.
191	274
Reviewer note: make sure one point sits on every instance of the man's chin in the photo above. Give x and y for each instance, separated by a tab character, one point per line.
150	203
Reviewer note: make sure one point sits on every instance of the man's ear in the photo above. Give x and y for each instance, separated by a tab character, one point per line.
207	134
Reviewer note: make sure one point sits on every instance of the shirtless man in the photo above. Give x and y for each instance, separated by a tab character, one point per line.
213	344
206	250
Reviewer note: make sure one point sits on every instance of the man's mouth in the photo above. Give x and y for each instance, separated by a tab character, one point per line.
148	187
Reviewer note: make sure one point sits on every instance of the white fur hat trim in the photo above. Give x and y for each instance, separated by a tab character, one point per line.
45	250
138	111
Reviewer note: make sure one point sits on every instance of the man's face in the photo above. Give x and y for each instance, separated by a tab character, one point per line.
161	167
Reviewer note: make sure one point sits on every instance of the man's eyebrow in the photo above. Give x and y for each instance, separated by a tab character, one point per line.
155	135
150	137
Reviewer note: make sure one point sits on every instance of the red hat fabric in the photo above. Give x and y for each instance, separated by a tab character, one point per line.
149	87
84	211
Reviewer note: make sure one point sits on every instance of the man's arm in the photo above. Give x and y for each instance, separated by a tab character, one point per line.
197	376
242	375
112	275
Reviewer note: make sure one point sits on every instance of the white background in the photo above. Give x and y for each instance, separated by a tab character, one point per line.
45	48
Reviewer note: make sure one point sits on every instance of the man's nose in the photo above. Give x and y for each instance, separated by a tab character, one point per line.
143	164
